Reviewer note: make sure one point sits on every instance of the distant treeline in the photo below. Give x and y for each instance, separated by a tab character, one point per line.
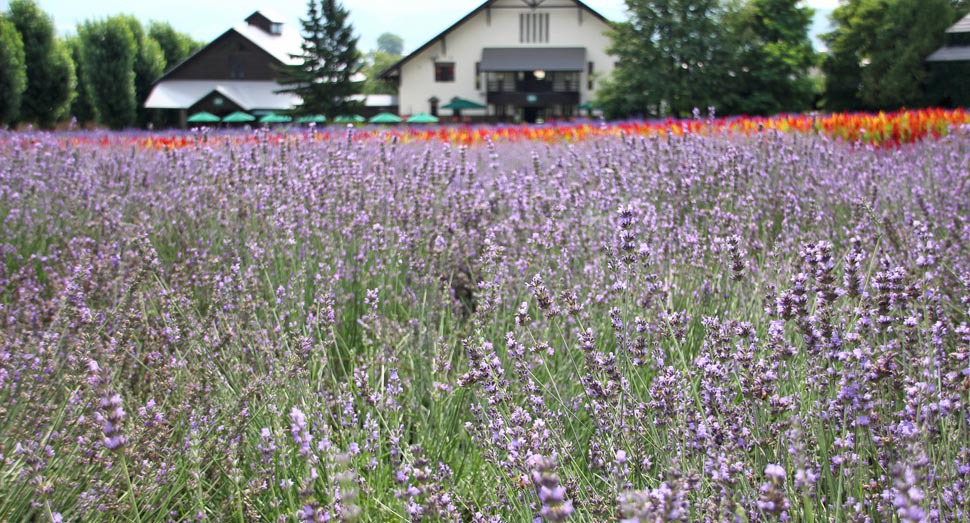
755	57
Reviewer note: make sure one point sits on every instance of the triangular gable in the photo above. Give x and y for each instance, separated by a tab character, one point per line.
280	48
397	66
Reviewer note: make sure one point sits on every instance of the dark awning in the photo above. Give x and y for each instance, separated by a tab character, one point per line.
498	59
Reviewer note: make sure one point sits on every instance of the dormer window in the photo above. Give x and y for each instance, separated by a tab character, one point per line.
276	28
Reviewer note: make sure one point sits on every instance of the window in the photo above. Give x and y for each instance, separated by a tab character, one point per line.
533	28
478	76
444	72
276	28
589	84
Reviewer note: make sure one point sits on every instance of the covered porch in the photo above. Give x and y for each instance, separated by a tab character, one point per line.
533	83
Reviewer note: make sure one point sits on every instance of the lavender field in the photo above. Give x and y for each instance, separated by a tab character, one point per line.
641	329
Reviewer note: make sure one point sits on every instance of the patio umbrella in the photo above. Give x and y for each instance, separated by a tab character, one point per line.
203	117
385	118
423	118
275	118
238	117
312	118
349	118
459	104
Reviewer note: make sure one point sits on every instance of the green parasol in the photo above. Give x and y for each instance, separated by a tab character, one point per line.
312	118
460	104
238	117
350	118
423	118
275	118
385	118
203	117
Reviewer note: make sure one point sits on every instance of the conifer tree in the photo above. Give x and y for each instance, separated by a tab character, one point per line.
324	78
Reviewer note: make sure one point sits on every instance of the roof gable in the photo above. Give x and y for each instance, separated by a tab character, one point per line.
281	49
485	5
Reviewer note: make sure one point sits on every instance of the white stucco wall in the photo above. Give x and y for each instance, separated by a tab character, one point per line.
570	26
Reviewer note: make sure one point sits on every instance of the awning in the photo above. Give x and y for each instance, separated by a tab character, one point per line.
503	59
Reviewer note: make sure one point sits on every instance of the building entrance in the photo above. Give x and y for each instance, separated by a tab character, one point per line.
531	114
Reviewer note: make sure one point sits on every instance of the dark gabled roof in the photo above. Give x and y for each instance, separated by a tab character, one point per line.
280	48
397	65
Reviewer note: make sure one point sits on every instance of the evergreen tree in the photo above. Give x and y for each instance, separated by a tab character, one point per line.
50	71
108	54
673	57
13	72
329	61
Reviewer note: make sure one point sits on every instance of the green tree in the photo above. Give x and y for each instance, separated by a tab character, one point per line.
175	46
50	71
324	78
770	70
81	108
149	65
13	72
390	43
108	54
914	29
376	63
672	57
877	51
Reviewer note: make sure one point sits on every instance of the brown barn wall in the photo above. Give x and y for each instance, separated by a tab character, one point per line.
227	58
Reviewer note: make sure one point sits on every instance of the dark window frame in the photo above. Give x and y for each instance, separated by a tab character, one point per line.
444	72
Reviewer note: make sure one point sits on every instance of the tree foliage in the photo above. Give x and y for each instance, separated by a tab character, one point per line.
175	46
49	69
376	63
81	108
672	58
878	48
740	56
773	56
108	55
328	63
13	72
149	65
390	43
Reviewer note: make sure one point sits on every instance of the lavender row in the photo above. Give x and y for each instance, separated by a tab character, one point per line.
624	328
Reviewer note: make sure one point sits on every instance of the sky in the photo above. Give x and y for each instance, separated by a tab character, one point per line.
416	21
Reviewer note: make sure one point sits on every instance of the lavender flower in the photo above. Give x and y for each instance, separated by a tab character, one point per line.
552	496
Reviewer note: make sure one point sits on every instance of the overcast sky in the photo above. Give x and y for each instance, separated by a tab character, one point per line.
414	20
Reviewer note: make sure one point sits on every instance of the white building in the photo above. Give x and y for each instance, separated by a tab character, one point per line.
522	59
